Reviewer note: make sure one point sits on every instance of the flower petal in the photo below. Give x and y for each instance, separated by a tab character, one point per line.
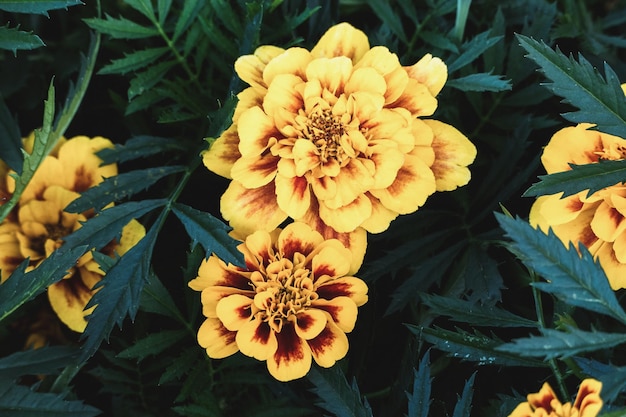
381	216
332	73
248	210
453	153
223	153
575	145
588	401
543	399
329	346
68	298
218	341
388	65
257	132
351	287
214	272
255	171
234	311
293	195
366	80
298	237
343	311
211	296
292	358
430	71
285	93
256	339
293	62
556	210
608	222
332	261
82	165
342	40
613	268
132	233
310	323
250	67
416	98
347	218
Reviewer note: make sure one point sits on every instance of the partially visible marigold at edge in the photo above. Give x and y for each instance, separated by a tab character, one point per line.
545	403
38	224
335	137
293	303
597	221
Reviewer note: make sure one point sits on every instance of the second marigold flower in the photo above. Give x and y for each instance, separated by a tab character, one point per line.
293	303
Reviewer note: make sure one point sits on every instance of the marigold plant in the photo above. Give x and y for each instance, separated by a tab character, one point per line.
545	403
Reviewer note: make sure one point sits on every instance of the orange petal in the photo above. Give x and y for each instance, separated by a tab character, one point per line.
576	145
608	222
351	287
342	40
223	153
453	153
332	261
250	67
257	132
543	399
347	218
293	195
310	323
588	401
248	210
342	310
523	410
292	358
218	341
329	346
298	237
82	165
255	171
214	272
256	339
211	296
353	180
234	311
416	98
613	268
556	210
68	298
430	71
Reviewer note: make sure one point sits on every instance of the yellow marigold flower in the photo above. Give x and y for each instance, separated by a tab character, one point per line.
334	137
294	302
545	404
597	221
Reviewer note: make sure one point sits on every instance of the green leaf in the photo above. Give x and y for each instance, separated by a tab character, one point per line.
36	6
473	49
475	314
153	344
613	377
482	81
227	16
10	140
155	298
190	11
482	278
145	80
139	147
121	186
335	395
134	61
23	286
100	230
20	401
590	177
144	7
575	279
462	12
419	399
556	344
471	347
185	362
43	361
119	294
163	10
210	232
599	100
383	10
121	28
463	406
13	39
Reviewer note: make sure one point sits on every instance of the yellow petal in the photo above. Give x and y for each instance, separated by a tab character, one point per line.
293	195
211	296
68	299
619	248
310	323
218	341
293	61
366	79
332	73
82	165
392	124
248	210
255	171
347	218
351	287
257	132
430	71
353	180
381	216
329	346
298	237
331	262
588	401
250	67
214	272
284	94
246	99
615	270
556	210
608	222
234	311
576	145
342	40
387	64
256	339
415	98
388	160
223	153
292	358
342	310
543	399
10	254
132	233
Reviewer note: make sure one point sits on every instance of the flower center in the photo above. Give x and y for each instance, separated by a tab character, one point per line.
326	131
286	290
614	152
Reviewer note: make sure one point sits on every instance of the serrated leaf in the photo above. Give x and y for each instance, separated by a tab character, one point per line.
613	377
43	361
383	10
210	232
144	7
472	347
163	9
590	177
121	28
334	393
100	230
473	49
153	344
556	344
121	186
463	406
23	286
36	6
155	298
134	61
180	366
187	15
20	401
227	16
481	275
475	314
419	399
139	147
575	279
119	293
14	39
599	100
10	140
145	80
482	81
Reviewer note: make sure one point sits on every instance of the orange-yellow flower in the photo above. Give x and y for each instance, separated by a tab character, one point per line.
597	221
39	223
293	302
545	404
334	137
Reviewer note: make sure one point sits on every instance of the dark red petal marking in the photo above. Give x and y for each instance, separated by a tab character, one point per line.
290	347
322	342
332	290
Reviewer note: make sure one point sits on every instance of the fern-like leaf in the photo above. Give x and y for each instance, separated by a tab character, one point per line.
336	395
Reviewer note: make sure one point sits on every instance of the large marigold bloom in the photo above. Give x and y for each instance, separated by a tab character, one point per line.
334	137
293	302
39	223
545	403
598	221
